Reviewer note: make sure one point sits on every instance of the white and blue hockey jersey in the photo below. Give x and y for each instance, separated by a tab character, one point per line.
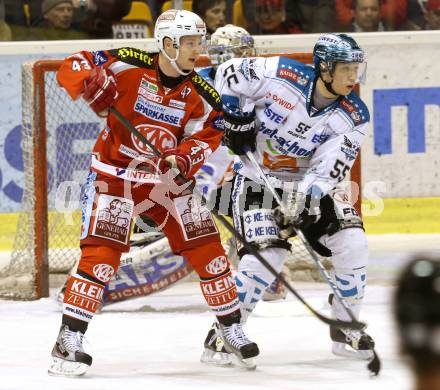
213	171
295	142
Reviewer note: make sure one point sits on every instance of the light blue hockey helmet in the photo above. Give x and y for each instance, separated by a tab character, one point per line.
333	48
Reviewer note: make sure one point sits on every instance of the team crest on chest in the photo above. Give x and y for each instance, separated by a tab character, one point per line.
160	137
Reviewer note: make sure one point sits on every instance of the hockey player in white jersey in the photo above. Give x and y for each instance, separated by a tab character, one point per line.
309	119
225	43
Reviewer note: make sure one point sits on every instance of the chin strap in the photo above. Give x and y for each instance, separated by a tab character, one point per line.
174	63
329	87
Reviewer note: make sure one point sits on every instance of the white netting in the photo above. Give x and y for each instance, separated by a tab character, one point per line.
71	130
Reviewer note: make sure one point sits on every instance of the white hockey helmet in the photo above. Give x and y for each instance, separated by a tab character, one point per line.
228	42
175	24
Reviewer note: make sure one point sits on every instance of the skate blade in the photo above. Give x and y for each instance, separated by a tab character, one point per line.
248	364
214	358
61	367
341	349
239	361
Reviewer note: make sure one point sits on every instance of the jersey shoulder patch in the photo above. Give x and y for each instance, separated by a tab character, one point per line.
295	73
99	58
133	56
207	91
355	109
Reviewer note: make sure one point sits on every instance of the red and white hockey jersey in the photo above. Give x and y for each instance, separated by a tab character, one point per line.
187	117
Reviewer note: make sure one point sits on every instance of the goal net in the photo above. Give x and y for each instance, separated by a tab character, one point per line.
57	138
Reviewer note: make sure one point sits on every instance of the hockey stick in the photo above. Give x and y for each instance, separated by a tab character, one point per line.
374	365
329	321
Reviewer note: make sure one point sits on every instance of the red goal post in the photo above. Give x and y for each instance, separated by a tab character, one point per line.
53	128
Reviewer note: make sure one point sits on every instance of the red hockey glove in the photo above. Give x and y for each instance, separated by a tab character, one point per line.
174	158
100	90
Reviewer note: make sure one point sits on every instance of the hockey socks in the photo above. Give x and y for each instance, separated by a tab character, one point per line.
250	289
82	299
220	294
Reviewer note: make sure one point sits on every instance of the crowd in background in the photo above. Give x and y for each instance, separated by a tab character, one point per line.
95	19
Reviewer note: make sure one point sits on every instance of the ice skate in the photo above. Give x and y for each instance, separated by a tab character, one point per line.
68	356
240	347
351	343
214	351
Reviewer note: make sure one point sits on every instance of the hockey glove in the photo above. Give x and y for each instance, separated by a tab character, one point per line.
100	91
240	133
174	162
174	159
296	216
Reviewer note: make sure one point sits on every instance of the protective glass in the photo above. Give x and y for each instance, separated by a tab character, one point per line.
353	70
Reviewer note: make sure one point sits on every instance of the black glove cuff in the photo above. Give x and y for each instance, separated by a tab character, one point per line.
238	122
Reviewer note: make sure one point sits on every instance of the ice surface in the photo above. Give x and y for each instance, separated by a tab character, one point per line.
155	343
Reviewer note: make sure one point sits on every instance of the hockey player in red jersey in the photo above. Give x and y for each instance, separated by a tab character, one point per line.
180	114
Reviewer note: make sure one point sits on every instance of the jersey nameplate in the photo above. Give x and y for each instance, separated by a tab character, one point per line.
207	91
133	56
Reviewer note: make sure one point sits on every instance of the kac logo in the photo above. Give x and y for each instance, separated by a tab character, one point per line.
103	272
217	265
160	137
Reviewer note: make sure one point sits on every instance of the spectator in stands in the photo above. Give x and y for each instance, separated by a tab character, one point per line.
270	18
312	16
366	17
101	14
416	15
58	13
5	30
393	13
432	15
306	16
138	24
423	15
56	23
417	313
213	12
28	13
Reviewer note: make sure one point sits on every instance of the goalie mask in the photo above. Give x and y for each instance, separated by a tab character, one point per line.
230	42
333	48
175	24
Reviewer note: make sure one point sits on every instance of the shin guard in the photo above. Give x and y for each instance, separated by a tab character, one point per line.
220	294
81	300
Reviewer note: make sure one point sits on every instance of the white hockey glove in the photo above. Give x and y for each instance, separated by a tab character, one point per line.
297	215
240	132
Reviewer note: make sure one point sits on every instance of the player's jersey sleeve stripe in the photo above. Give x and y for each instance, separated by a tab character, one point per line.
119	66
